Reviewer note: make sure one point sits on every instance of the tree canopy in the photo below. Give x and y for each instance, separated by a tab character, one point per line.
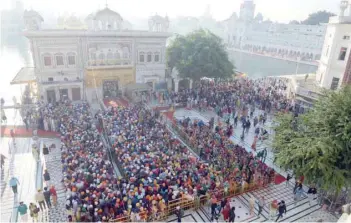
318	144
318	18
294	22
199	54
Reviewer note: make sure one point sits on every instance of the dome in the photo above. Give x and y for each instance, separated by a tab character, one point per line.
106	12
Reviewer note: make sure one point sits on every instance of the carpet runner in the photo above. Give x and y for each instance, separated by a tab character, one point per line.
22	132
279	179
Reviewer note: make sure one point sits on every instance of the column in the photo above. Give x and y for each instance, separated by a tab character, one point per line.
190	84
176	84
57	94
69	93
82	94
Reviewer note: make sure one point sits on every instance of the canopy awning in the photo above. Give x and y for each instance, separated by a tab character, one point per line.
24	76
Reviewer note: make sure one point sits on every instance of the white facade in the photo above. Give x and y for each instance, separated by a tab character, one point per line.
336	49
62	57
246	32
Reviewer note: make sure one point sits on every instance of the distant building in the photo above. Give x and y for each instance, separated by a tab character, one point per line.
96	62
335	64
302	42
12	25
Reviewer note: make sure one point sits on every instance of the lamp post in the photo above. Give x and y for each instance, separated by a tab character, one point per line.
298	59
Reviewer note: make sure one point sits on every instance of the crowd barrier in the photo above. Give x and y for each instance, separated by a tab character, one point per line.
196	203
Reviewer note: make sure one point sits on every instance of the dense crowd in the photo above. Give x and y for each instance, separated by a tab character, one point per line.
156	168
216	148
268	94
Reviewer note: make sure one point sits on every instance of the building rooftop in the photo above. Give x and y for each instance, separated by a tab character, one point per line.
84	32
24	76
340	20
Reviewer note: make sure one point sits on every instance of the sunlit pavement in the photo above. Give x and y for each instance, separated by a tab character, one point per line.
13	118
20	164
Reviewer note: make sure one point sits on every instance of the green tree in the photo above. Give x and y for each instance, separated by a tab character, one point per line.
318	18
294	22
318	144
199	54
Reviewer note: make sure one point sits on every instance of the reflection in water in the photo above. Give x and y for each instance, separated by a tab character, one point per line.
260	66
11	61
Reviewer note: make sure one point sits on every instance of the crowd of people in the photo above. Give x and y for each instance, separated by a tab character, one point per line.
233	161
229	97
156	168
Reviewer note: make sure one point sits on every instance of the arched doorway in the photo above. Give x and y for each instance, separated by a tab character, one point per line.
184	84
110	88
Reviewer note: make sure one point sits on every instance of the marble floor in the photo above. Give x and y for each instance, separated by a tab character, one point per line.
20	163
183	113
54	166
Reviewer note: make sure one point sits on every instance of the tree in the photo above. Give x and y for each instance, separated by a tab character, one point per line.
294	22
318	144
259	17
318	18
199	54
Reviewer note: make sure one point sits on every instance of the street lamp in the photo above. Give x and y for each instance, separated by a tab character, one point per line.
298	59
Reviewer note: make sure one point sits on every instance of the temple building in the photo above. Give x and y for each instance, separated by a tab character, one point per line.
335	64
249	32
95	61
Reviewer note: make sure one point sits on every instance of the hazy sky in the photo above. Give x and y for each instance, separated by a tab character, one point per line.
276	10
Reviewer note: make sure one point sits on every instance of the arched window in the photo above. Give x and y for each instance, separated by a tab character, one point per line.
117	55
125	53
47	60
157	57
101	58
71	58
142	57
149	57
109	55
59	59
93	56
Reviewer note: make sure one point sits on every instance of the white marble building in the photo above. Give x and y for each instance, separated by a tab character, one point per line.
76	63
251	33
333	68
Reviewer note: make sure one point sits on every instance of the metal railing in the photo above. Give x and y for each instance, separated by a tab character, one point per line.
197	202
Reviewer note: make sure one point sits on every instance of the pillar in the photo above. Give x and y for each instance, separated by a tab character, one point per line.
176	85
57	94
190	84
69	93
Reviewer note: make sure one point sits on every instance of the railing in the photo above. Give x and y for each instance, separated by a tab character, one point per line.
195	203
183	136
112	153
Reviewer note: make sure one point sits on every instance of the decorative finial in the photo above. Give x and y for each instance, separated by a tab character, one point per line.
106	4
343	7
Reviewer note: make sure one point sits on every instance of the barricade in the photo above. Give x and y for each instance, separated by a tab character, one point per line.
186	204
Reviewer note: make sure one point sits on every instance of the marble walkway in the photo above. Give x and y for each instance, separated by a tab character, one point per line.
21	164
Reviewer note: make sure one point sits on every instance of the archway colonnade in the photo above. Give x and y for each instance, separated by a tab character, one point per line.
283	52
